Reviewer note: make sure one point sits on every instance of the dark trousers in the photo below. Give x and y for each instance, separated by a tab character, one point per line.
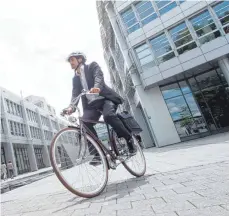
108	110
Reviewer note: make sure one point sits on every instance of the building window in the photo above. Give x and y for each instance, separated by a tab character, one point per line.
48	135
17	129
145	56
22	159
162	48
3	155
145	11
130	20
182	38
183	109
205	27
7	105
165	6
32	115
222	11
54	124
39	157
35	132
2	127
14	108
44	120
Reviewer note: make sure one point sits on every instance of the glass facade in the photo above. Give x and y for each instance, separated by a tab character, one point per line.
54	124
44	121
22	159
48	135
199	104
17	129
39	157
145	56
3	156
32	115
162	48
182	38
130	20
13	108
145	12
187	35
222	12
205	28
35	132
165	6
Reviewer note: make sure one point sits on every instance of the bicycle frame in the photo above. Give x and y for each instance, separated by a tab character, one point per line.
85	130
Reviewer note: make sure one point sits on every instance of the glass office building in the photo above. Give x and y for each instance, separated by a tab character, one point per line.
169	60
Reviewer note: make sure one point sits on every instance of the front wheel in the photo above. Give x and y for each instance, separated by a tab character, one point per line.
136	165
72	157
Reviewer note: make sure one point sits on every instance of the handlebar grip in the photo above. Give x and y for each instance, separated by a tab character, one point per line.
64	112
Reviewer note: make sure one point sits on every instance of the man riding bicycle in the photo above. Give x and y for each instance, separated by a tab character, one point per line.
90	77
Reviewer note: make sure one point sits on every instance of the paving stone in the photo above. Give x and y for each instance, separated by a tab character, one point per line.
207	202
209	211
226	206
181	197
160	194
169	187
121	206
143	204
131	198
113	213
172	206
134	212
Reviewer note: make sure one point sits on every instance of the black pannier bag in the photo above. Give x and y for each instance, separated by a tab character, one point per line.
129	122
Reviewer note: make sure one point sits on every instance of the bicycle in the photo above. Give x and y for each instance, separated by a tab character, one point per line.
71	154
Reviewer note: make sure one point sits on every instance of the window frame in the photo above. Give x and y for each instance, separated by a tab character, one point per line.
198	38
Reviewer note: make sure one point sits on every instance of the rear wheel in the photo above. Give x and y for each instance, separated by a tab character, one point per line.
71	158
136	165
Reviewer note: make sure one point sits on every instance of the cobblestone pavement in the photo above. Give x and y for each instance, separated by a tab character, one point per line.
201	190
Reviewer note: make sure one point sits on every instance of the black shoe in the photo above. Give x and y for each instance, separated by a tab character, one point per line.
96	160
132	148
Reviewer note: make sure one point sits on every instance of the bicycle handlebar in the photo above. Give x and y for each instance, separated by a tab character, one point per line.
84	92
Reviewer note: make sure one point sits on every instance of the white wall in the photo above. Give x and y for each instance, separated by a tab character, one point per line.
163	127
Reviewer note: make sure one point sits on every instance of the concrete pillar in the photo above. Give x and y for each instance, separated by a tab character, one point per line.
46	157
9	150
163	128
32	157
45	154
147	139
31	153
224	66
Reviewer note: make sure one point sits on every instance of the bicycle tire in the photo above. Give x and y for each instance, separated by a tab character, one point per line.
59	175
124	163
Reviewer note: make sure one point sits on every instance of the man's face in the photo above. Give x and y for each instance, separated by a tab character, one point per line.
74	62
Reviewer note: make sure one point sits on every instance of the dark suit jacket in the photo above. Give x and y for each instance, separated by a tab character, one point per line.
94	78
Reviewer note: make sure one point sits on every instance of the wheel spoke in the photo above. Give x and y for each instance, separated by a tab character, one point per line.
74	169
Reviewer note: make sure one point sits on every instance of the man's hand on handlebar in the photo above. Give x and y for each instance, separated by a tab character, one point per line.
67	111
94	90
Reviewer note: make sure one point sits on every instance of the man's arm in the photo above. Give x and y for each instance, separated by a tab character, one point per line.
98	76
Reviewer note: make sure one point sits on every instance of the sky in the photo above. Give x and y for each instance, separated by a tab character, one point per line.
35	39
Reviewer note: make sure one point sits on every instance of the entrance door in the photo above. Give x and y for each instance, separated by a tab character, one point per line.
22	159
210	91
